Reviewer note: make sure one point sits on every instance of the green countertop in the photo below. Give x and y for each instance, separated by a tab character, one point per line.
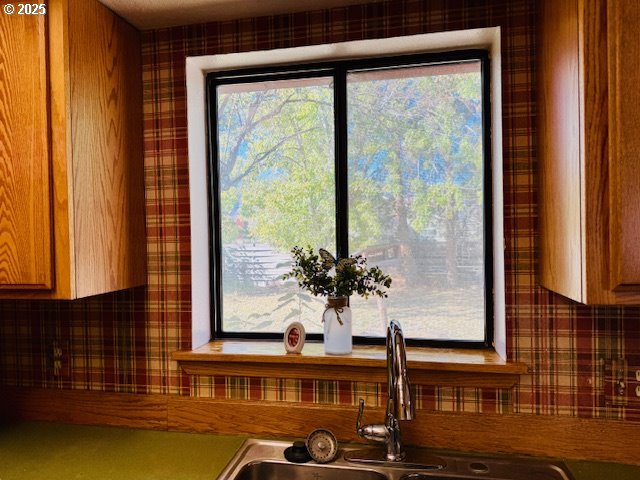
50	451
603	471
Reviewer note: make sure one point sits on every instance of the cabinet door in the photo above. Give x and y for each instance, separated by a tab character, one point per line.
623	38
25	214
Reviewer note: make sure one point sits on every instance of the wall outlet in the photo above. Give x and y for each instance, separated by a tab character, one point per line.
58	359
56	356
621	383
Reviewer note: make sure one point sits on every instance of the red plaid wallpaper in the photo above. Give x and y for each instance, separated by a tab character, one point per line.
122	341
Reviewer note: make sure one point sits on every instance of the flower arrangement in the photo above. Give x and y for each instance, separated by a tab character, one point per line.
321	274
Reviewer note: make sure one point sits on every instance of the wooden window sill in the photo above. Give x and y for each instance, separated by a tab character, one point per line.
426	366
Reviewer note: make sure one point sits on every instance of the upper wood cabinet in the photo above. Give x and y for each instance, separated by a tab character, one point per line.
71	161
25	257
589	149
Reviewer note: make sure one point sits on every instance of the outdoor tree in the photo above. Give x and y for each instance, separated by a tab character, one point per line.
415	162
415	157
276	165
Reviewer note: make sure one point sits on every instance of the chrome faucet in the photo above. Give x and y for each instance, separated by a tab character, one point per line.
400	402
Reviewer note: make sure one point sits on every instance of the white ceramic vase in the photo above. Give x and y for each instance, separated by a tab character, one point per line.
337	326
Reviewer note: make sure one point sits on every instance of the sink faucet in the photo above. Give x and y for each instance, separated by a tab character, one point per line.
400	403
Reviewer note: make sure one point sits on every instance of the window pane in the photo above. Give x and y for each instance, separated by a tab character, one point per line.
416	197
277	190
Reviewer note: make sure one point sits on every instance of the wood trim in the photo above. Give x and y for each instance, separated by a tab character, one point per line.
84	407
350	373
558	437
550	436
61	151
448	367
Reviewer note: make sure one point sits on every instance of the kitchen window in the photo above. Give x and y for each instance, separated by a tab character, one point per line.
385	157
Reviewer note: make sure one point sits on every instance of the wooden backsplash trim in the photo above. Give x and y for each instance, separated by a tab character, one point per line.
559	437
84	407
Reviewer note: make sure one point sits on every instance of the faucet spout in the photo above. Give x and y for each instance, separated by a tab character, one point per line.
400	403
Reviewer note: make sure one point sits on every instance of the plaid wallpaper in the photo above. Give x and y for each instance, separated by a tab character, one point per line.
122	341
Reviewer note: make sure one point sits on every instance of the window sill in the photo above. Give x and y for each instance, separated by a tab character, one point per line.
426	366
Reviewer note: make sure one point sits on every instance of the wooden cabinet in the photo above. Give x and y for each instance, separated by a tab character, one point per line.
589	149
71	161
25	222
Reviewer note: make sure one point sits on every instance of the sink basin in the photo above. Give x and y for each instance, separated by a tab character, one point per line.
264	460
264	470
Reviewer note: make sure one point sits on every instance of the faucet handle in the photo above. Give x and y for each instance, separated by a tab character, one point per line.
378	433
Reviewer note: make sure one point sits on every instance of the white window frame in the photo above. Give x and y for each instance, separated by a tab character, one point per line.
197	69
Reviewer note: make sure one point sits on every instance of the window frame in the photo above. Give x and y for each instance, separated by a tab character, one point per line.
339	70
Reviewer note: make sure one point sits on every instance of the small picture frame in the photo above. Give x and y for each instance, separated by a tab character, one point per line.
294	337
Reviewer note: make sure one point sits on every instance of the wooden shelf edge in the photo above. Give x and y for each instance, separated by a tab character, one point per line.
427	366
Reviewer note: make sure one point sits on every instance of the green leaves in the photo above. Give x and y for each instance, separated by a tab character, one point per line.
323	275
276	165
415	162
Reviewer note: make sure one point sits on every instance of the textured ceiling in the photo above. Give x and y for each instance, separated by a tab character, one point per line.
149	14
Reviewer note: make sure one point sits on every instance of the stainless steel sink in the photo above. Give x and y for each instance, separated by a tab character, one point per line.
264	460
292	471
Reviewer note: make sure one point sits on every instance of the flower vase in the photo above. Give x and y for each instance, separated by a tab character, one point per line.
337	326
